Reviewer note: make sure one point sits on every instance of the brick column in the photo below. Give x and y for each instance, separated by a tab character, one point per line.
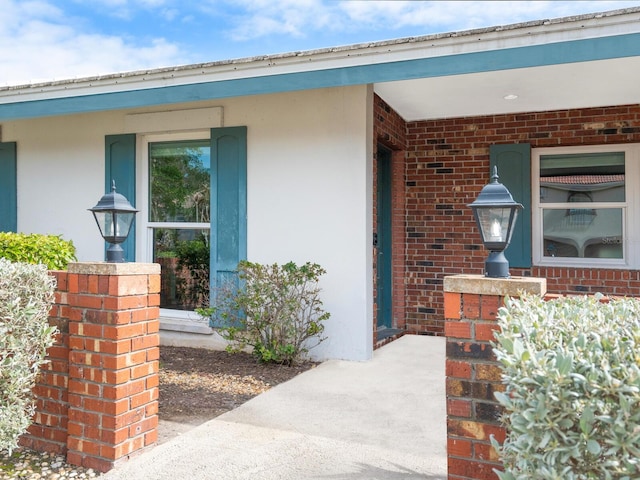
471	304
113	361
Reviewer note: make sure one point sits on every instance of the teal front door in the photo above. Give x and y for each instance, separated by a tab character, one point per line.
383	239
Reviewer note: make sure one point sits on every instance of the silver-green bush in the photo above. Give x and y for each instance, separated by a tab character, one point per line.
26	295
572	402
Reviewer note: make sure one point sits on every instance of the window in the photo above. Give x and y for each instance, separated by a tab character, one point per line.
583	213
178	222
192	191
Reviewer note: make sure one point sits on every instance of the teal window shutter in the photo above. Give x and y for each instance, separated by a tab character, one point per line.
514	169
8	187
120	165
228	205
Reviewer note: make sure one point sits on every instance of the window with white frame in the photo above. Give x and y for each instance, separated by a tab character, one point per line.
178	219
583	208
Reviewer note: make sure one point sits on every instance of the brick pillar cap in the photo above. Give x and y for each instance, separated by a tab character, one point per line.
106	268
481	285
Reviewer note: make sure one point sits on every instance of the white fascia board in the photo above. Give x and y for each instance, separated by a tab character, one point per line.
528	34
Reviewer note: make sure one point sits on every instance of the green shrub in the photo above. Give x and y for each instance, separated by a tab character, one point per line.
26	295
277	311
572	402
50	250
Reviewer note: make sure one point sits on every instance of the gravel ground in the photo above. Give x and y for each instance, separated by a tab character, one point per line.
26	464
195	385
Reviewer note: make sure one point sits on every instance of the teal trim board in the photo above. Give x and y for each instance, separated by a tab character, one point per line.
8	187
505	59
120	165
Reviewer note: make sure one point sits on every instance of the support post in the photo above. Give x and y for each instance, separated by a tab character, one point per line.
471	304
113	361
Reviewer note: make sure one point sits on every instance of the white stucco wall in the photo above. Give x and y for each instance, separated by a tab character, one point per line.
309	190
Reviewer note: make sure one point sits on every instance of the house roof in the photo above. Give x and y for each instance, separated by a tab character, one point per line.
572	62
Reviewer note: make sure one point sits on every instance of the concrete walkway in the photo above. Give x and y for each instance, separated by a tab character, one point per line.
382	419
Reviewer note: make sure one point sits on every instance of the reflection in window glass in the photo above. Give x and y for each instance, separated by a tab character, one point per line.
573	189
583	233
179	181
183	255
582	177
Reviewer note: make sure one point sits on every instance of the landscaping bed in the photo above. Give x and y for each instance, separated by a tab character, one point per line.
196	385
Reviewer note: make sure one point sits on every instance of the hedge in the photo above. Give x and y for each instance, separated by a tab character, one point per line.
50	250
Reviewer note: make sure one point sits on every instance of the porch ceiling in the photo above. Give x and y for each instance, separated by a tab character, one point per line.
572	85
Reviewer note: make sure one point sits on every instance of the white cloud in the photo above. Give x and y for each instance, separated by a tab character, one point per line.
170	14
260	18
39	43
126	9
295	18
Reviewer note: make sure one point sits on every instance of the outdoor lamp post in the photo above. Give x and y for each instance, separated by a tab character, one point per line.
495	212
114	216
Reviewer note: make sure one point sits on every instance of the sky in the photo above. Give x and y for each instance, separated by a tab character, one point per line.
45	40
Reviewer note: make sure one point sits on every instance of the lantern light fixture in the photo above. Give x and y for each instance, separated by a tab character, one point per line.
495	212
114	216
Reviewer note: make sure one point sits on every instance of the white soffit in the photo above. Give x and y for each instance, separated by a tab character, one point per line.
574	85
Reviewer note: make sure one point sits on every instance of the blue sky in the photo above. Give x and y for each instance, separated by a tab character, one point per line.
42	40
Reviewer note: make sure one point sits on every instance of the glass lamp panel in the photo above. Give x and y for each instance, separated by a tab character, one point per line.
494	224
114	226
512	222
123	221
105	224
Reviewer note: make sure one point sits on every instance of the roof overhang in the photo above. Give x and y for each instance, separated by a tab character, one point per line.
590	60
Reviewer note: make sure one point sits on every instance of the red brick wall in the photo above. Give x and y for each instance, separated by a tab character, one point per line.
473	376
390	131
447	164
97	399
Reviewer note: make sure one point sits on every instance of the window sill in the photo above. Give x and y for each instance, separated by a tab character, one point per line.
595	265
